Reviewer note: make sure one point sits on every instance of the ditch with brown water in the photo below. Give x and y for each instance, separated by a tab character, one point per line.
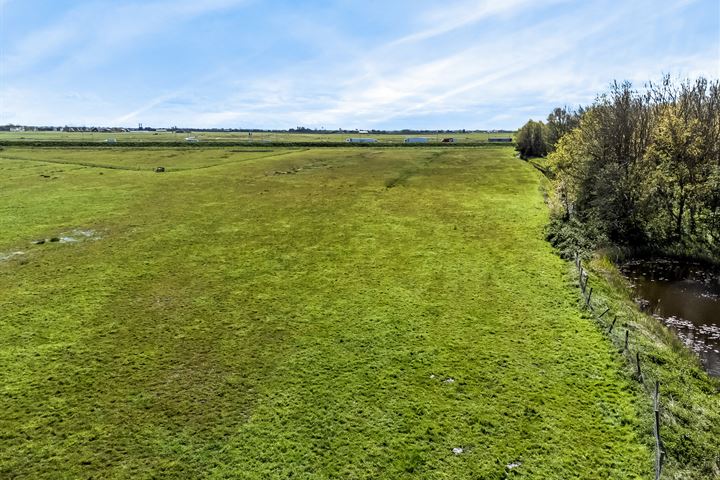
684	296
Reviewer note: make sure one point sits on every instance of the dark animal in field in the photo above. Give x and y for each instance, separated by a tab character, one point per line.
159	169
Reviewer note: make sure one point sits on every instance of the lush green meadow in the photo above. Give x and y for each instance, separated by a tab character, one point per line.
307	313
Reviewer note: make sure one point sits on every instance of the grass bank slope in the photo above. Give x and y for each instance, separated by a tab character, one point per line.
329	313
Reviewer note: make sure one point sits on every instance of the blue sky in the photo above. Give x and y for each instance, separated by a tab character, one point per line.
471	64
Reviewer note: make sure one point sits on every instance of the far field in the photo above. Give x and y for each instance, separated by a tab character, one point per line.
308	313
254	137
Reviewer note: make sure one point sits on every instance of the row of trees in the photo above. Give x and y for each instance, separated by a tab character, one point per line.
640	168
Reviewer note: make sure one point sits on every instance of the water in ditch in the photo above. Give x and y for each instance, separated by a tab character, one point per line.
685	297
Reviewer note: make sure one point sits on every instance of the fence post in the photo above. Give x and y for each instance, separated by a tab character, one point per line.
639	371
627	334
659	453
612	324
587	300
603	314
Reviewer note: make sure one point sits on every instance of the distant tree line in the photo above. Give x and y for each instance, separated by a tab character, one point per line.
298	129
636	168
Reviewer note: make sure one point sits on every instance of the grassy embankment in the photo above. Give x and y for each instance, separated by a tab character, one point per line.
690	399
319	313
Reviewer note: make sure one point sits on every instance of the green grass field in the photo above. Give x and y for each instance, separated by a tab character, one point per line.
309	313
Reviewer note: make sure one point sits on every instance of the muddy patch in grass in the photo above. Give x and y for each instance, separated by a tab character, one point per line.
400	179
4	257
293	170
74	236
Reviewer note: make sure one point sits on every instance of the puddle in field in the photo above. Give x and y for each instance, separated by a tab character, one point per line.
684	296
76	235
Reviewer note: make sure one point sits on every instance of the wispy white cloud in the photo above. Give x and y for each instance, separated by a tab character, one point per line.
533	65
134	114
471	62
459	81
451	17
91	33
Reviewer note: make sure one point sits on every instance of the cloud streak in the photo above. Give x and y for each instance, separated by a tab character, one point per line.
92	33
466	64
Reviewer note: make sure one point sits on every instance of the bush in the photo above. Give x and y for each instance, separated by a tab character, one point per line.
573	236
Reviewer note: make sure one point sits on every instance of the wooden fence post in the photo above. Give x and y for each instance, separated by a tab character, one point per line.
659	453
603	314
612	324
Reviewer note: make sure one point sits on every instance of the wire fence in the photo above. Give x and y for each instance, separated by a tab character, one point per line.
650	386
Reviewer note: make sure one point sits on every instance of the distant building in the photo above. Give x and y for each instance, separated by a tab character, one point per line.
499	140
110	140
416	140
360	140
191	140
363	132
